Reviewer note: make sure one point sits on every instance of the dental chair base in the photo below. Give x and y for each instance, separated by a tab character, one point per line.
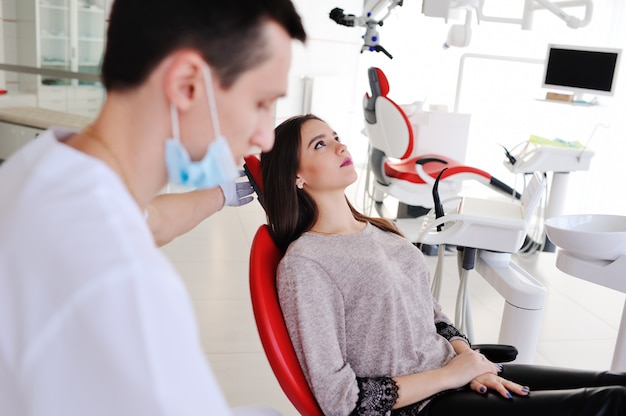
524	297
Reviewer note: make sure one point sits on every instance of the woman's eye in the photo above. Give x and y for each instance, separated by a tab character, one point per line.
338	139
320	144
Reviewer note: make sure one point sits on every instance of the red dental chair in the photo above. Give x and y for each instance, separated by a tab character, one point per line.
398	168
264	259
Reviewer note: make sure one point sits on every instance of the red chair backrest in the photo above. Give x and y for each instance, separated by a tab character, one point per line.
264	259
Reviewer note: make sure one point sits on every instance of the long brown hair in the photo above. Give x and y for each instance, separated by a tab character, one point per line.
291	211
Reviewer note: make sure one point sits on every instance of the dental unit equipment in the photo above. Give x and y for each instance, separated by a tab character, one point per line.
557	157
487	232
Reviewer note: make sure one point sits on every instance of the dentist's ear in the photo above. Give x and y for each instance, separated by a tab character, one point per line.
183	78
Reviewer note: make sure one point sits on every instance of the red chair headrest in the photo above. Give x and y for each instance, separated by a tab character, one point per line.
379	84
252	167
379	87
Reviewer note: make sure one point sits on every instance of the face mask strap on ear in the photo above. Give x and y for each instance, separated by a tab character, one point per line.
206	71
175	126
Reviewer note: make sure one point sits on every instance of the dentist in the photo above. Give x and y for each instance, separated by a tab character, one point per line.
94	320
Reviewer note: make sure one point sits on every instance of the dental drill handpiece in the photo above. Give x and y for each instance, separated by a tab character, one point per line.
439	212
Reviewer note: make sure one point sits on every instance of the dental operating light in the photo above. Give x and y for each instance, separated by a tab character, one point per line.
370	20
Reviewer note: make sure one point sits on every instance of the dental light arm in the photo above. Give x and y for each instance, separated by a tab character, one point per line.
460	34
448	8
370	20
557	9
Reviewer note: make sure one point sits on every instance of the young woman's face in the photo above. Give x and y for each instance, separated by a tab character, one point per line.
325	163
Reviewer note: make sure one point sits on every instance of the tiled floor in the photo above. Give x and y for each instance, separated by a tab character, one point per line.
579	328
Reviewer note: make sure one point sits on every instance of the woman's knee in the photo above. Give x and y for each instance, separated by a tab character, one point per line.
607	400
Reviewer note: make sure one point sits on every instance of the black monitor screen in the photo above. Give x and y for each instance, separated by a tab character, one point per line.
581	70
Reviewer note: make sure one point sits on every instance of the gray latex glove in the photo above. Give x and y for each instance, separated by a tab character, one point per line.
237	193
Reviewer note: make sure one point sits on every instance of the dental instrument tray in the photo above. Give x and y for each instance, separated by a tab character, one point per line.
483	224
488	224
543	155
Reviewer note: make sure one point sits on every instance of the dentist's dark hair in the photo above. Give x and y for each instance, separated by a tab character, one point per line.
228	34
292	211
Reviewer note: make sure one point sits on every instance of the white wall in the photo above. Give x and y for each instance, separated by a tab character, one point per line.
500	96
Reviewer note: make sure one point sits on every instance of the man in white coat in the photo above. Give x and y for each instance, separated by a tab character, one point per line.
94	320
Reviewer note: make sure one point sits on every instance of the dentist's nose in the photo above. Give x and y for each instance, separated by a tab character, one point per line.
266	140
264	137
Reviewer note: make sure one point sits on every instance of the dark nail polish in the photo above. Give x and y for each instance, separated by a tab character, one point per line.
509	395
483	389
525	389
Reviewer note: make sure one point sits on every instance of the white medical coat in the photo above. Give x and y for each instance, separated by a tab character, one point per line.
93	318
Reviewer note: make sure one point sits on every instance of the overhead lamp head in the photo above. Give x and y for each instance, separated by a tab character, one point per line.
459	36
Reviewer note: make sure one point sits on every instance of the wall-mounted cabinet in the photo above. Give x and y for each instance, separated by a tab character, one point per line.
66	35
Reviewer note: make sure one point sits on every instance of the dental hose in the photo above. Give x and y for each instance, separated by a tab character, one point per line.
463	313
441	248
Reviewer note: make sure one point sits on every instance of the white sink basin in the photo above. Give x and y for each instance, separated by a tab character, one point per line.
589	236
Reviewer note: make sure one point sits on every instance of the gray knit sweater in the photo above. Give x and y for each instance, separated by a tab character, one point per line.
358	307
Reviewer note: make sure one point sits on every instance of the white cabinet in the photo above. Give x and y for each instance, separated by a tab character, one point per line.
52	97
90	34
53	33
64	35
13	136
82	99
85	100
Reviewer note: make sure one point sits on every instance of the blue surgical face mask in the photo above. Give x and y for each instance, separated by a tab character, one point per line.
216	167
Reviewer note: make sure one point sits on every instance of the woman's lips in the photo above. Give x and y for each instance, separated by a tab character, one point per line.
346	162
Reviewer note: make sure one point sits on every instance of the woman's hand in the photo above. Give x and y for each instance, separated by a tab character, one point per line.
468	366
490	381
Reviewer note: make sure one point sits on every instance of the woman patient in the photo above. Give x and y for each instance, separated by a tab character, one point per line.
356	299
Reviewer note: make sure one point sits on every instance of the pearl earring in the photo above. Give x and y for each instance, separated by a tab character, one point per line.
300	185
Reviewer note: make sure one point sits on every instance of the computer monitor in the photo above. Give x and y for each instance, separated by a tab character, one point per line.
581	70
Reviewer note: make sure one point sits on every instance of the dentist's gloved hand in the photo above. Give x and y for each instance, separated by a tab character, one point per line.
237	193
